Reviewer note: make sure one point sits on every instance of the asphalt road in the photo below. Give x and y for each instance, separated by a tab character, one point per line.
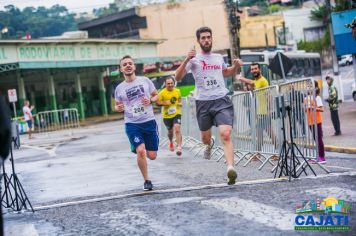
87	183
243	209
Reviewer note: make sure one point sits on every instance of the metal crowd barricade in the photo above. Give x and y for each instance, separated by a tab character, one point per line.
163	132
257	131
243	129
195	135
298	95
266	131
57	120
185	127
193	132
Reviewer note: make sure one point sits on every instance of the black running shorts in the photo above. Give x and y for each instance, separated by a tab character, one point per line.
169	122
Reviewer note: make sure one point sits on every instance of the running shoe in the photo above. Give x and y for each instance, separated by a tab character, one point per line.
312	161
231	175
321	160
171	147
179	151
147	185
207	151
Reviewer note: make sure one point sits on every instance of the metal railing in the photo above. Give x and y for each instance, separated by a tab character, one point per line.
298	94
257	130
57	120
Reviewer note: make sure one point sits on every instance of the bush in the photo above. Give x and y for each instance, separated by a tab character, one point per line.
317	45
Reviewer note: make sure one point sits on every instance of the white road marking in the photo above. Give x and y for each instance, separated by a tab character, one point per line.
342	193
253	211
51	152
349	173
340	167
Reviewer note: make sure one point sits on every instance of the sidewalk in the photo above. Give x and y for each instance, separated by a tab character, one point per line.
345	143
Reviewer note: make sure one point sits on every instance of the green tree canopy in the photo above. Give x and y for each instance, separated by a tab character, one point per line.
320	13
121	5
38	22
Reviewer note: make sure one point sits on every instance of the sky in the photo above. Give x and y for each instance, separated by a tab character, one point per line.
72	5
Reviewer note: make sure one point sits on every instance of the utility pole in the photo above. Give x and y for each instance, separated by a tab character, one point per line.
332	41
234	21
232	9
284	32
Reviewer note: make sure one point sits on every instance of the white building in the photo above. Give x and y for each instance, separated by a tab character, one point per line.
301	27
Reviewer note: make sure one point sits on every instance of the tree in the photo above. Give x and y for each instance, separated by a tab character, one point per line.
320	13
121	5
83	17
274	8
38	22
104	11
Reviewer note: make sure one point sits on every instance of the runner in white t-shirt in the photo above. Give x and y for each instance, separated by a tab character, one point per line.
213	106
27	113
134	96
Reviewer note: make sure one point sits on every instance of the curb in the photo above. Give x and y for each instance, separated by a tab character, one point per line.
99	121
348	150
108	118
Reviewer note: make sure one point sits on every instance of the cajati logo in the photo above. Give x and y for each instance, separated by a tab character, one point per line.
210	67
328	214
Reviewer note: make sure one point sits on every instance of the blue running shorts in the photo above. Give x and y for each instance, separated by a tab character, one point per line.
146	133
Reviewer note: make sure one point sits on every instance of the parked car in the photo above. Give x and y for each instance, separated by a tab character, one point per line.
353	90
345	60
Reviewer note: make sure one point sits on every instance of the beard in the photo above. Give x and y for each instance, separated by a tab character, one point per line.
206	48
128	73
256	75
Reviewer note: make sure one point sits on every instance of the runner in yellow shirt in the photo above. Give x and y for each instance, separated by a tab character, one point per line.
170	99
